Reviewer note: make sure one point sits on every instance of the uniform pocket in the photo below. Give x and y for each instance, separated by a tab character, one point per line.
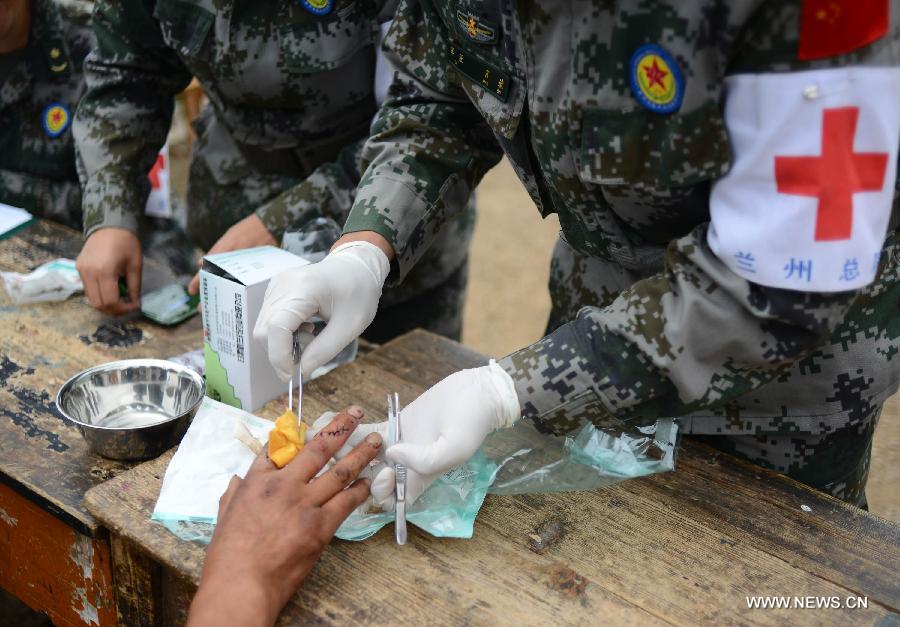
184	26
654	151
327	43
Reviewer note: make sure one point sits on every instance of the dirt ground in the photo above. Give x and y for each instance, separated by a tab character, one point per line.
507	305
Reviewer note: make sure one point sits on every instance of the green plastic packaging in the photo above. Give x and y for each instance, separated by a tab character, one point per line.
169	305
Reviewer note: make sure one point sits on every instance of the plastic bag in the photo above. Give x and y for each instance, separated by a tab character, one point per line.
594	457
447	509
53	281
169	305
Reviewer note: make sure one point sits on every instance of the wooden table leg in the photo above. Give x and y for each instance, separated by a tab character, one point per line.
147	593
51	567
137	580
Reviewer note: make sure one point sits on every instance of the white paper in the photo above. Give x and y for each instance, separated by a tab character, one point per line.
12	218
206	460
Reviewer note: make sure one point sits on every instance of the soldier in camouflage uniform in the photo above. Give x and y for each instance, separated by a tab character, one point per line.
40	84
291	96
647	320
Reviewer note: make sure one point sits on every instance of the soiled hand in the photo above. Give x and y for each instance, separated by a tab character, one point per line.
274	524
107	255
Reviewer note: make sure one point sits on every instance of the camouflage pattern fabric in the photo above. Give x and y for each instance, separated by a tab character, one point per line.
836	463
37	165
291	98
646	321
432	295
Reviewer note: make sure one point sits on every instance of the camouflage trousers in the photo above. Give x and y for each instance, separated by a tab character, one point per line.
836	463
430	297
806	439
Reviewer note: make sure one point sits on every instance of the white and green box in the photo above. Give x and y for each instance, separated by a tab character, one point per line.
232	287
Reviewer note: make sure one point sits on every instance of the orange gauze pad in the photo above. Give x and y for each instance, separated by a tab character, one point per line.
290	426
283	456
286	439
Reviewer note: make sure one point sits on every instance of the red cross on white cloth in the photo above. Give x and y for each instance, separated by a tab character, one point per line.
808	198
835	175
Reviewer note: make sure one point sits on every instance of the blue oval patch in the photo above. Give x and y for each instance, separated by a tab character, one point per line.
318	7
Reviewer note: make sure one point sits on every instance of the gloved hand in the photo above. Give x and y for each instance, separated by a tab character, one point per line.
343	289
442	429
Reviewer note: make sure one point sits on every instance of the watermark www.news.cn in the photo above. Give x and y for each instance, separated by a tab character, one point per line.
807	603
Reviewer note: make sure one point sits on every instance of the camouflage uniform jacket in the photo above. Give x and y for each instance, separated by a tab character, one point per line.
288	90
37	159
674	332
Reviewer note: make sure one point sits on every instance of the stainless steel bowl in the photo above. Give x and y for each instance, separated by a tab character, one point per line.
134	408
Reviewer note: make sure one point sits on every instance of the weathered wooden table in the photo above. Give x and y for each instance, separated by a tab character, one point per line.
684	547
53	553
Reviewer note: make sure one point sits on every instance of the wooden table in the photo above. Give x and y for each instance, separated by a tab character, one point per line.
684	547
53	553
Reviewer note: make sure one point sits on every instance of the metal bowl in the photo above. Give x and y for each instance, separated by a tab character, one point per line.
134	408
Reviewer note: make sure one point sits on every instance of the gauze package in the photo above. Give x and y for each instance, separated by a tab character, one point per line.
199	472
53	281
211	453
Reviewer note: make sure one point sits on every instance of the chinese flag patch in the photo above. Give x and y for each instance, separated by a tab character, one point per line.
832	27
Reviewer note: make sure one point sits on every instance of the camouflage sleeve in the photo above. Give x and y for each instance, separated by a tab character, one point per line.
58	200
694	336
124	116
327	192
429	146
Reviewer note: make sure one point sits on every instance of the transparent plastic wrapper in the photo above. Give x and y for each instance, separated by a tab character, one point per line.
312	241
52	282
589	458
447	509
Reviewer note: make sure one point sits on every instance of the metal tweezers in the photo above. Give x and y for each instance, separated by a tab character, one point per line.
394	436
295	354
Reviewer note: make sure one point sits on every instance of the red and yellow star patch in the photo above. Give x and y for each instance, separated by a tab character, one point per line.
55	119
656	80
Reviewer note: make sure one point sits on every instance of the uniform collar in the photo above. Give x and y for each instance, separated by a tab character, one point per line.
47	46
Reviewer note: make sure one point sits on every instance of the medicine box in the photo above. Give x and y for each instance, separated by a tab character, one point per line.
232	287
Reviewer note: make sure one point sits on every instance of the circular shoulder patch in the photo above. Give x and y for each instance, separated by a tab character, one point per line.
55	119
656	81
318	7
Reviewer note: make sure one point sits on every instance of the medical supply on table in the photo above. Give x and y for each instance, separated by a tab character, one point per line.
169	305
393	402
13	220
51	282
591	457
210	454
232	288
131	409
199	472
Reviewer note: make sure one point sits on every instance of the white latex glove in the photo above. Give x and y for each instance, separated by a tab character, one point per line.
444	427
343	289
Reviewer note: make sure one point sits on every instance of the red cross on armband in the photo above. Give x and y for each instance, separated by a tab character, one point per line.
835	175
807	201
